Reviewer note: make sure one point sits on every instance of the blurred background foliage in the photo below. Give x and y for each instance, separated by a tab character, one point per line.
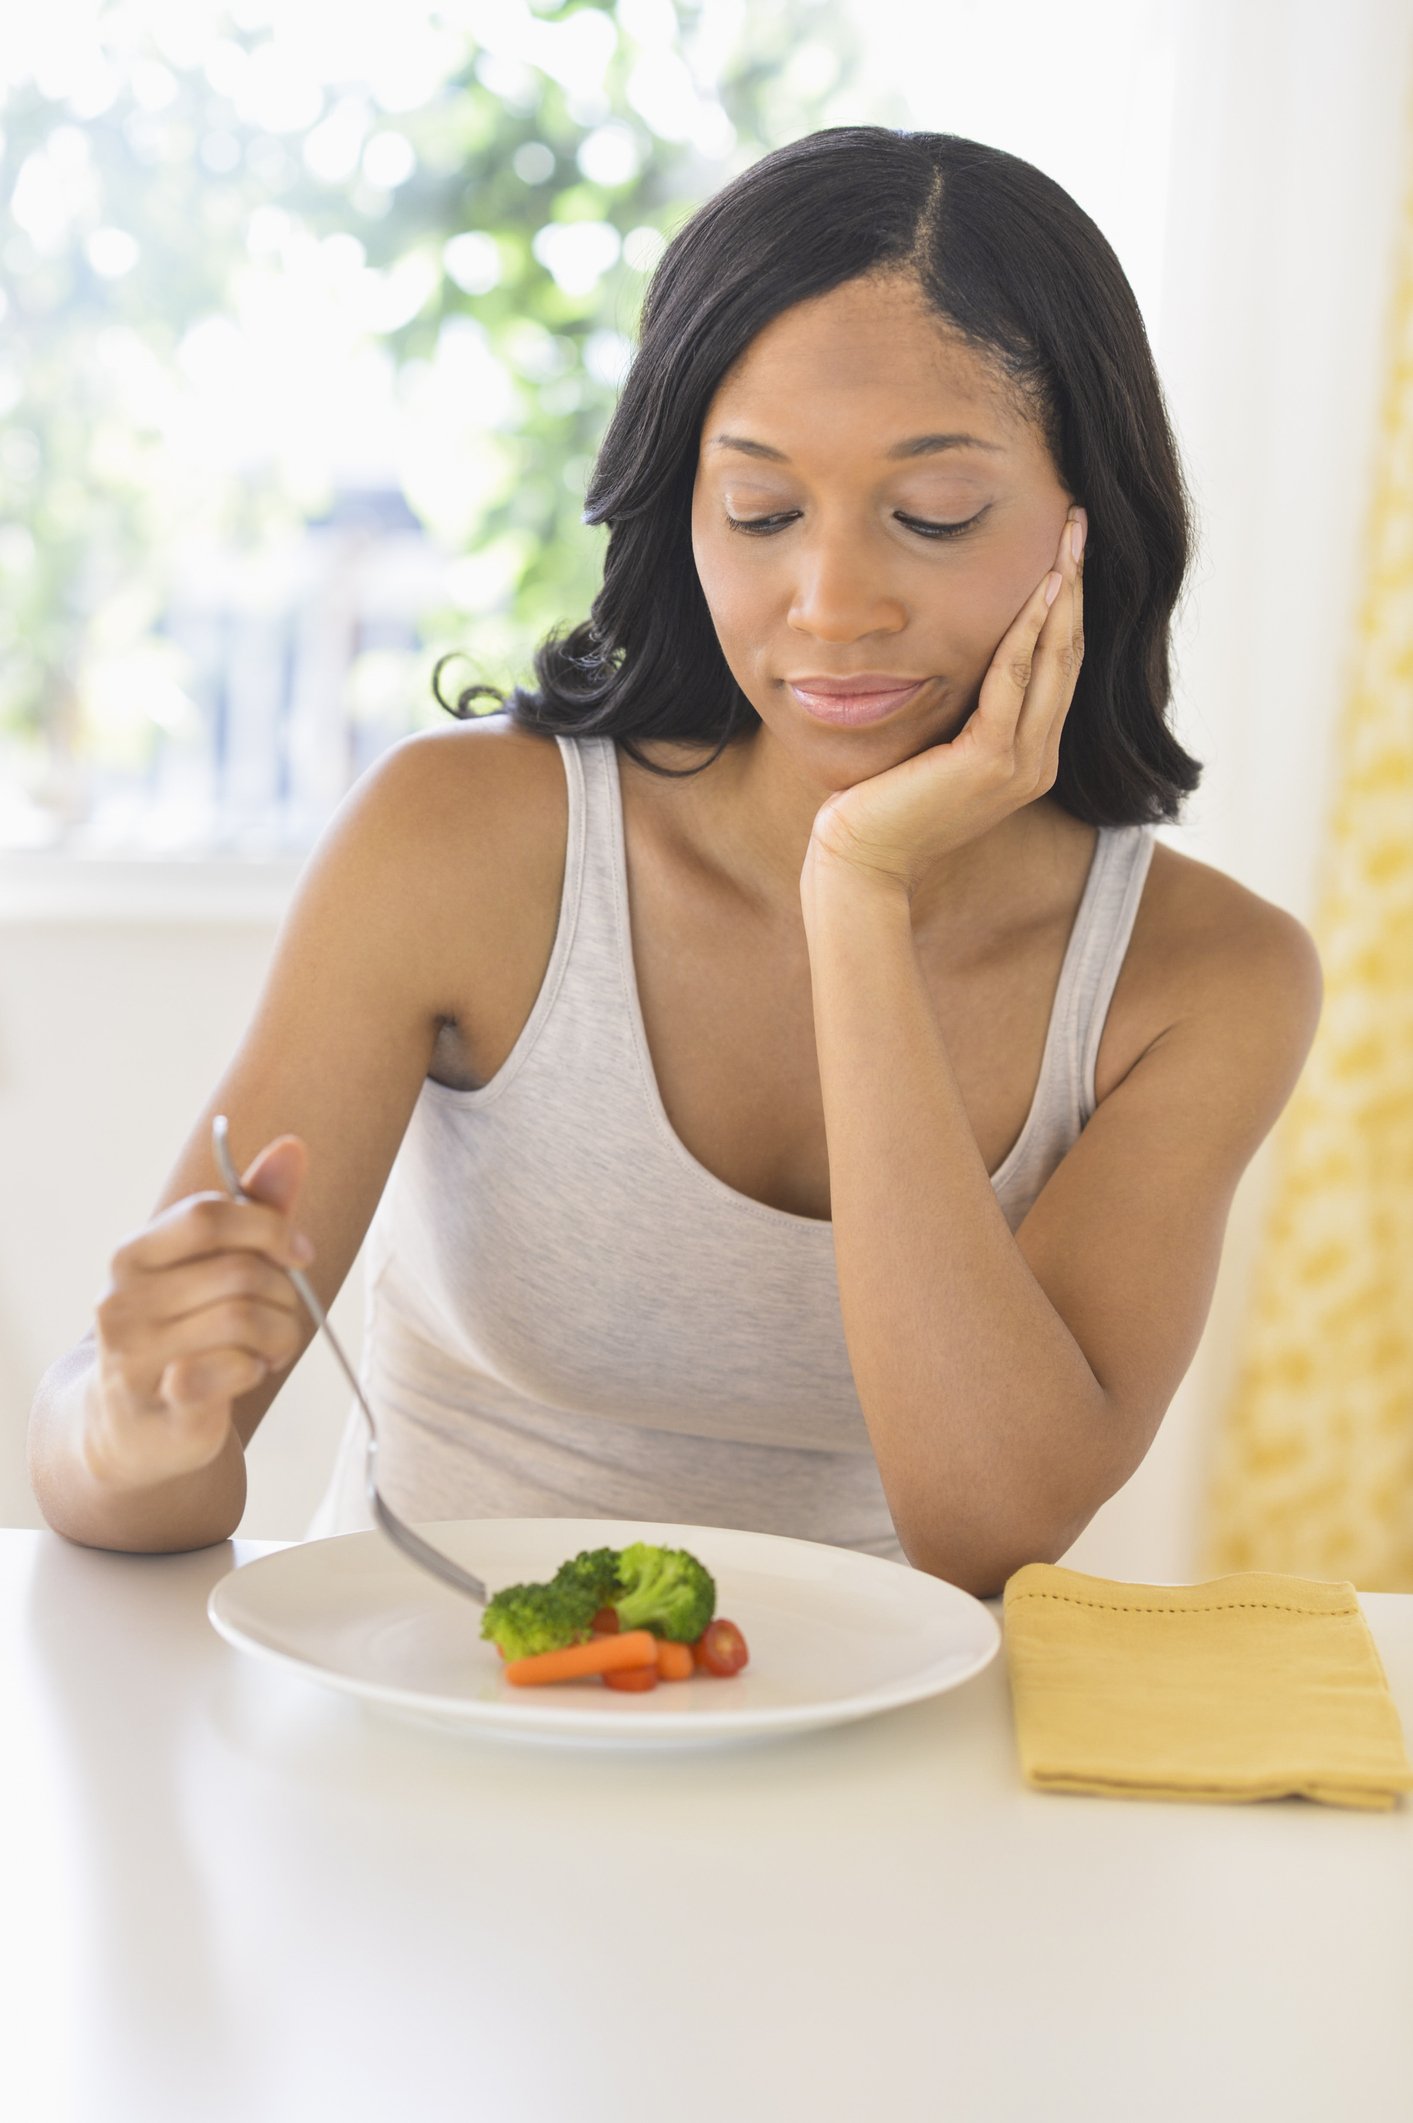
315	311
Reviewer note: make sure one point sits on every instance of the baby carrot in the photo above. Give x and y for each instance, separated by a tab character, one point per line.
674	1661
603	1654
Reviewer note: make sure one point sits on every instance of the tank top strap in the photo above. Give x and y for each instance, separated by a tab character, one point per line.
1105	924
589	770
583	930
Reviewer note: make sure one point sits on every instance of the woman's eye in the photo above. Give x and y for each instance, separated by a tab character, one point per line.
756	523
765	526
939	530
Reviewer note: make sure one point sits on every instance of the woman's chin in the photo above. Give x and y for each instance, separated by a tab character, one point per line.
841	754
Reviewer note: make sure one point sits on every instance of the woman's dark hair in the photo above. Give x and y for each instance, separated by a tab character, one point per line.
1019	274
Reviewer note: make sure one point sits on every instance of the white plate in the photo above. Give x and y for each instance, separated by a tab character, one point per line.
833	1635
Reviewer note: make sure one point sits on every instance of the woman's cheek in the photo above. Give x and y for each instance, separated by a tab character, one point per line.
736	609
991	612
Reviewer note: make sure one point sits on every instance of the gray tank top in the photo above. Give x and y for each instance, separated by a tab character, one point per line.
566	1315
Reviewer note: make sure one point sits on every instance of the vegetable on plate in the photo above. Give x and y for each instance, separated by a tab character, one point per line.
721	1648
665	1590
603	1654
633	1616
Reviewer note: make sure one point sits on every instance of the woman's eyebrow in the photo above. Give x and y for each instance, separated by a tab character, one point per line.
916	446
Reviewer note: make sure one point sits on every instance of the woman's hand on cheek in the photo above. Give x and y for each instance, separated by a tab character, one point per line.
895	824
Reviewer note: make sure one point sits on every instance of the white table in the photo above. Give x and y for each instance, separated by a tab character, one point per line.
231	1893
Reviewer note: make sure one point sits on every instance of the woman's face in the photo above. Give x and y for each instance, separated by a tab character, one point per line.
825	435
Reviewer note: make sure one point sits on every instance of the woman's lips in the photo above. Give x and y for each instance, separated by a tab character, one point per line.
867	700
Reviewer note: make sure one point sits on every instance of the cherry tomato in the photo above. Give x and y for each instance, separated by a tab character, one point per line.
605	1622
633	1680
721	1648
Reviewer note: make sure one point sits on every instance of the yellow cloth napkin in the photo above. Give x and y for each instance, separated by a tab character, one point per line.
1256	1686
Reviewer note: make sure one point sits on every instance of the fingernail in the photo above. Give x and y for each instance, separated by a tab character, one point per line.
1053	586
301	1247
1077	537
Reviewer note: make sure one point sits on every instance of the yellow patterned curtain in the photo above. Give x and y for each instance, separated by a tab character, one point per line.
1313	1466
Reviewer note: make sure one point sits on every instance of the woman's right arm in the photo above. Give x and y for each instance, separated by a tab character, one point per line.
137	1436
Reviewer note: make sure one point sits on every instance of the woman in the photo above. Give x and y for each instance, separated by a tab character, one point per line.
796	1089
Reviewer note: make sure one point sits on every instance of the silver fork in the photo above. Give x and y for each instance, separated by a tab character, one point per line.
411	1544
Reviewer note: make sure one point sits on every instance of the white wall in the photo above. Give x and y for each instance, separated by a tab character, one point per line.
113	1029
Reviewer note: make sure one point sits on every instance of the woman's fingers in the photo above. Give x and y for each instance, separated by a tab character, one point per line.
145	1345
199	1309
1026	683
190	1383
201	1224
193	1285
165	1388
1012	679
1054	663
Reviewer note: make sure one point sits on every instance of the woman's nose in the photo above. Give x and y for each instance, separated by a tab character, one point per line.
840	596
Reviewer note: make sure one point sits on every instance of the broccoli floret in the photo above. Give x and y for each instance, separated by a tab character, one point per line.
661	1589
593	1570
525	1619
665	1590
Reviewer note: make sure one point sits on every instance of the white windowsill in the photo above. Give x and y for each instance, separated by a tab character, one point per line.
145	888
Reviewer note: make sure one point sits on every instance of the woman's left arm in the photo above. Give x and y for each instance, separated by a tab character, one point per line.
1012	1383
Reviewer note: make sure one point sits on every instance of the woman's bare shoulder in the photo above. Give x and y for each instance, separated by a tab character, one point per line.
488	799
483	810
1208	937
1202	905
488	760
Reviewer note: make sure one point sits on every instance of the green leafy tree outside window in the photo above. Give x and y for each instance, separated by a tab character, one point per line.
488	214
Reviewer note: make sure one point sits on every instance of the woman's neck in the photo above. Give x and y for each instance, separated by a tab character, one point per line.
746	820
